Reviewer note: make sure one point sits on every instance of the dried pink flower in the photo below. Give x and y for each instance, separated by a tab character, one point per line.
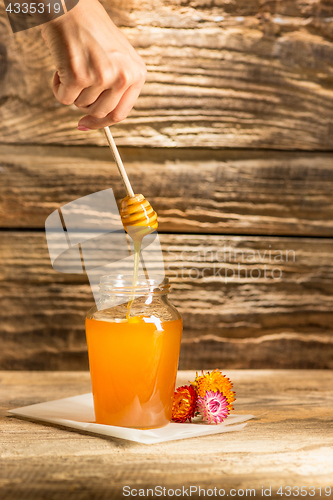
213	407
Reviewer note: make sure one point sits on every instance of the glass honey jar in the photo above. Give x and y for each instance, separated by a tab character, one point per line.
133	337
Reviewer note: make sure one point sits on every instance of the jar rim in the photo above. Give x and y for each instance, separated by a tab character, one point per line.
123	284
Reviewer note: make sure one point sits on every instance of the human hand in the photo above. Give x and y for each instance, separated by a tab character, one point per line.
97	68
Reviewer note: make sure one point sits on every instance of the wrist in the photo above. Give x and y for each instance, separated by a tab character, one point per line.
68	17
71	16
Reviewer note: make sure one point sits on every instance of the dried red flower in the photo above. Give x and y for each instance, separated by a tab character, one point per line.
184	404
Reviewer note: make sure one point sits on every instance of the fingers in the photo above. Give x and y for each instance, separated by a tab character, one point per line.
118	114
113	105
100	80
119	93
108	100
88	96
98	102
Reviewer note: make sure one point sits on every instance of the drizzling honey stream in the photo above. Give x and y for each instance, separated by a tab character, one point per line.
139	219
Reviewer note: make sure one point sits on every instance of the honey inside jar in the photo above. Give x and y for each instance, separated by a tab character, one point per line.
133	366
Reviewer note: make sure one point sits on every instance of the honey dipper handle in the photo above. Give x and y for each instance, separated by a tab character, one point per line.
119	163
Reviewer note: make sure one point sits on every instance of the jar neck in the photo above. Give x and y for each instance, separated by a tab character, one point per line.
123	286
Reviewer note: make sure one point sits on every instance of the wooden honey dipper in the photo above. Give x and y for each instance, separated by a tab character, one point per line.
137	215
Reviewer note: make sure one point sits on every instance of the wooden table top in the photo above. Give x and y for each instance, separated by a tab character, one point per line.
291	444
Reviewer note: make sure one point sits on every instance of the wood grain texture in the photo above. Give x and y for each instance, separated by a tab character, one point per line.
246	302
198	191
221	74
290	443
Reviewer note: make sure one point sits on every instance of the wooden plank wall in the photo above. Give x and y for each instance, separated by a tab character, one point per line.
231	141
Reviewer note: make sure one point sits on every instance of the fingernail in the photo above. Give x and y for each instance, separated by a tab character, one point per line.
83	128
